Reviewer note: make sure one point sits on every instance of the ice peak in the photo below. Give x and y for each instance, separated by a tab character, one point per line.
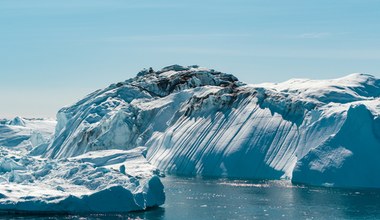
359	76
17	121
176	78
175	67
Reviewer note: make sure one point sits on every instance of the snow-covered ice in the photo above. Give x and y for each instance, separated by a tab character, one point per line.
97	182
89	183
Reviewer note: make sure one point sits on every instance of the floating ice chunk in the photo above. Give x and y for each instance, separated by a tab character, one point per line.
84	184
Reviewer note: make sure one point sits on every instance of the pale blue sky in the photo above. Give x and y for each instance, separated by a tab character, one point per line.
53	53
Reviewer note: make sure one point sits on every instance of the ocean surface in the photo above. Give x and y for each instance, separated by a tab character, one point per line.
200	198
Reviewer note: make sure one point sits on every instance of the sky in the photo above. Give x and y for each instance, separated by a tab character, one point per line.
53	53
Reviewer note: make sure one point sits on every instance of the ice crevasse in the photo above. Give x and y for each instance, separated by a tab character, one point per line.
198	121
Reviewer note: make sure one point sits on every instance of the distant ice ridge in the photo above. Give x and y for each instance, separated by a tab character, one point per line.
26	132
98	182
198	121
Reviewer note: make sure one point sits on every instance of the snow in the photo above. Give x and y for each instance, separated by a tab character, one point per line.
198	121
354	87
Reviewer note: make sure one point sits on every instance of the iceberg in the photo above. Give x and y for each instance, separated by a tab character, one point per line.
89	183
198	121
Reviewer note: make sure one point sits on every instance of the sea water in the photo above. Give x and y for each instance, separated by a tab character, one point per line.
205	198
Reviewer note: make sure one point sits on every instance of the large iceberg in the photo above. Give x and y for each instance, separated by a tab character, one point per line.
198	121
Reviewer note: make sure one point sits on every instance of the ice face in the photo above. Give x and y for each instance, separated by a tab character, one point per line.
350	157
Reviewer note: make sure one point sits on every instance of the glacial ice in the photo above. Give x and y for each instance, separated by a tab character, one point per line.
198	121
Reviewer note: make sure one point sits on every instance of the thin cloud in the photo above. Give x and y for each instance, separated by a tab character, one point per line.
201	51
71	4
171	37
316	35
332	54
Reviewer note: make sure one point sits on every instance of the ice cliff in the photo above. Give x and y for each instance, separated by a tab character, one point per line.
198	121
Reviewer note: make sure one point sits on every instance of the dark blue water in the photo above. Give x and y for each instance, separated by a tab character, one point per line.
196	198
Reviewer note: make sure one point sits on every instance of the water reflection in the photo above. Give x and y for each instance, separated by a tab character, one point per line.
154	213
